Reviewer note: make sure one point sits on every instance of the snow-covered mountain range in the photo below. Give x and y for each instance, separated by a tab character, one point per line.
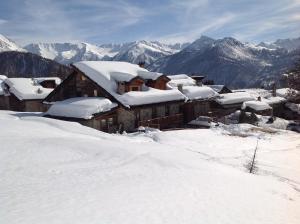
226	61
288	44
67	53
148	51
231	62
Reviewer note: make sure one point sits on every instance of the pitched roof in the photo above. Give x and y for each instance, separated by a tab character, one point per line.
181	79
233	98
107	73
81	107
26	88
199	92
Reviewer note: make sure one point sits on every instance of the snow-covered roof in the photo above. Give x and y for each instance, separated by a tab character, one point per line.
42	79
181	79
189	87
107	73
284	92
26	88
255	92
199	92
293	107
81	107
150	75
256	105
273	100
134	98
232	98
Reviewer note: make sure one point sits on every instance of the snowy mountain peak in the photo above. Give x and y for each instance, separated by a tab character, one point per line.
70	52
8	45
230	41
288	44
200	44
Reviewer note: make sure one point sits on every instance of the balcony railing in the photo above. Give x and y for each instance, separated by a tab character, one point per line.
163	122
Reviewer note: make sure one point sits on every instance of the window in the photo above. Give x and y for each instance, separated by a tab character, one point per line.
167	110
83	78
154	112
103	123
134	88
95	92
110	121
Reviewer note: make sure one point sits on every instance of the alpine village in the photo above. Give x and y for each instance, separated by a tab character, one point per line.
114	96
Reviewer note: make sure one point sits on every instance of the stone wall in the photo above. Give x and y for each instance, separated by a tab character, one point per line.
127	119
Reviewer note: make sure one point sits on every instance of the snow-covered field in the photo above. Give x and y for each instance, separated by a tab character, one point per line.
61	172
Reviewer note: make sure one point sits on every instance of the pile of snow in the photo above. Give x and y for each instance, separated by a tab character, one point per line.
202	121
80	107
256	105
81	175
107	73
293	107
199	92
277	123
232	98
27	88
181	79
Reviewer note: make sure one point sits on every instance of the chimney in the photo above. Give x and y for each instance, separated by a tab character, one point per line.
180	87
121	88
198	79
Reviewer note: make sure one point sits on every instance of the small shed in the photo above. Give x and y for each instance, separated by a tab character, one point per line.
228	103
24	94
95	112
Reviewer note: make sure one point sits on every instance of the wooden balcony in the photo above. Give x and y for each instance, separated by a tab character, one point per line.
170	121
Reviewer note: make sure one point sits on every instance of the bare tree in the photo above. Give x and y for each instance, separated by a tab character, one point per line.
251	165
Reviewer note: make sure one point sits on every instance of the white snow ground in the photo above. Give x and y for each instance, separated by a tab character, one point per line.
53	171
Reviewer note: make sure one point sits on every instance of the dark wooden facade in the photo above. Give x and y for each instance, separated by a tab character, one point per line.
11	102
49	84
196	108
159	83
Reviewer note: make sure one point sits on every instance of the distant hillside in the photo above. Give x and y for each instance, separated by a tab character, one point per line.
24	64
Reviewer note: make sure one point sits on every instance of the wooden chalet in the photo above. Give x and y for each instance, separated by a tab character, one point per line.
141	97
199	97
23	94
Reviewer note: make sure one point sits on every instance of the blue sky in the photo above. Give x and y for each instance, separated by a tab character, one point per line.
116	21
